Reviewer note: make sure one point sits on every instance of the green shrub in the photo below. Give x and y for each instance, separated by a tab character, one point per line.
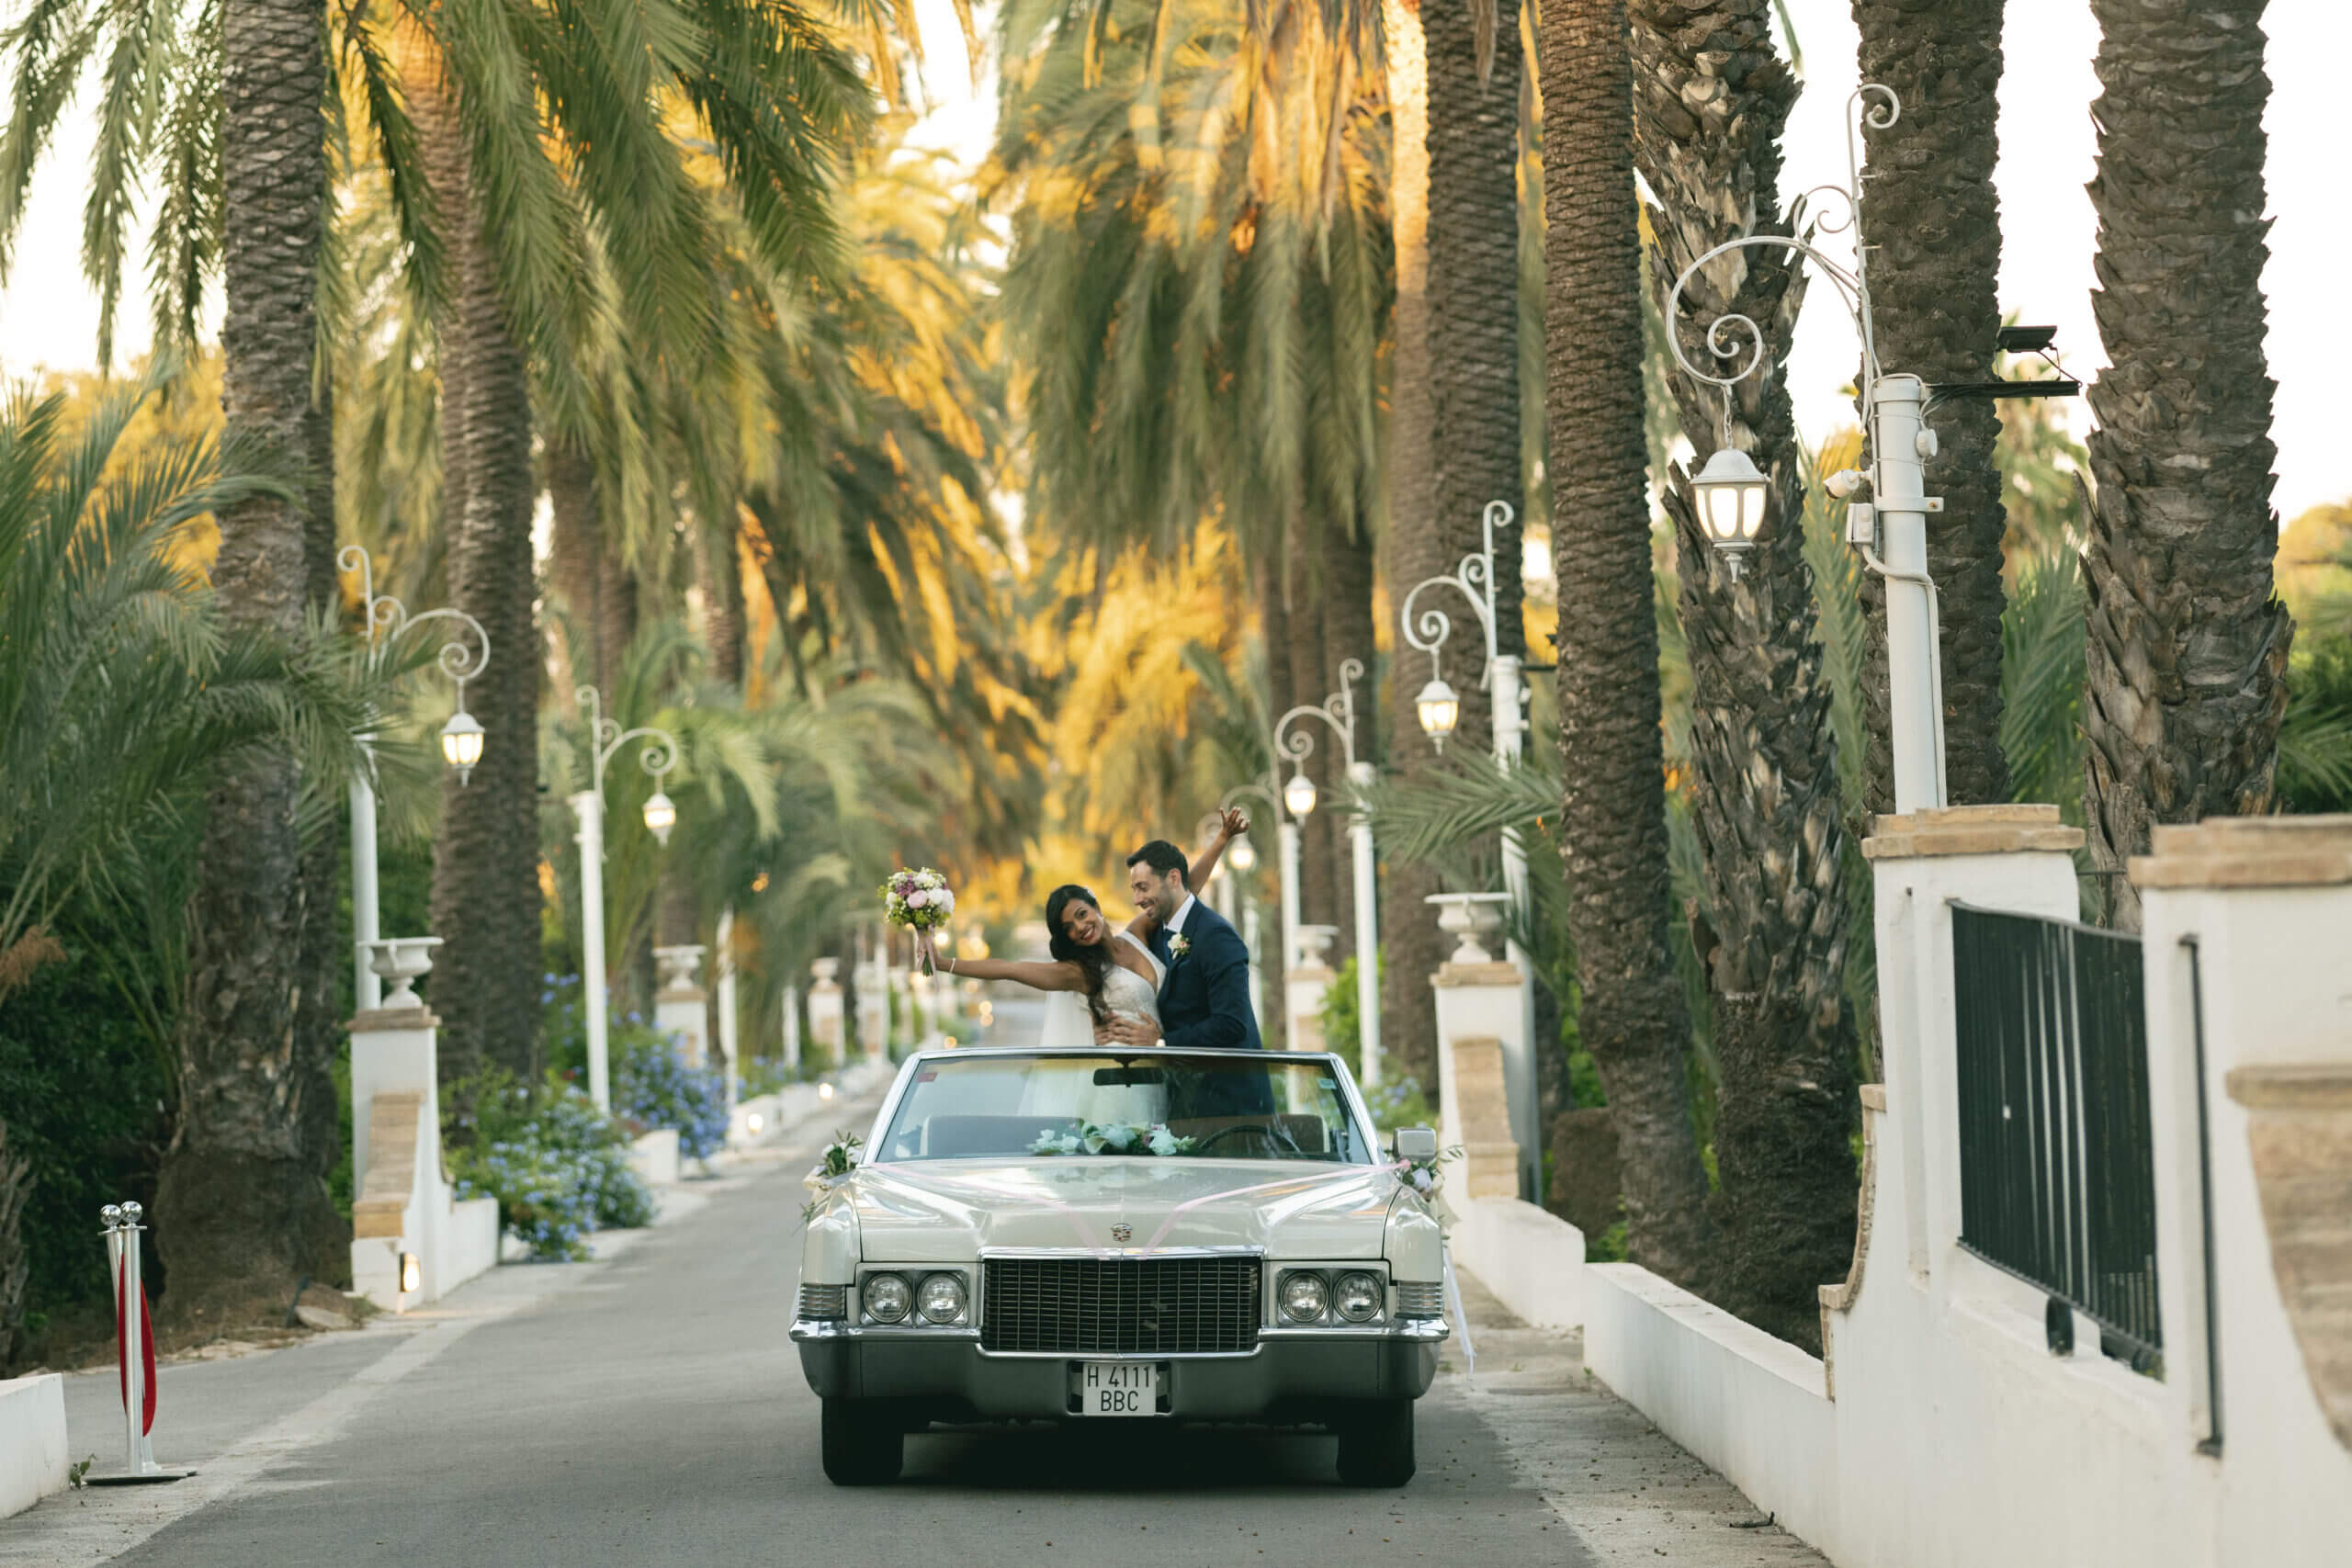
84	1090
1341	1035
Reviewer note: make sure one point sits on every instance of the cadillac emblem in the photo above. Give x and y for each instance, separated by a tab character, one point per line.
1123	1233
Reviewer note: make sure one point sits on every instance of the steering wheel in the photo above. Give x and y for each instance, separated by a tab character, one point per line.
1270	1131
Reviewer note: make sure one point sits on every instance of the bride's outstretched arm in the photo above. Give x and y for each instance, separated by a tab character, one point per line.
1047	975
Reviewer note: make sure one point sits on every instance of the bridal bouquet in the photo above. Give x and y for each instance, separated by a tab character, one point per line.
921	900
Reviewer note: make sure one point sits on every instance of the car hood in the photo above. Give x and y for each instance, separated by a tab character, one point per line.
949	1210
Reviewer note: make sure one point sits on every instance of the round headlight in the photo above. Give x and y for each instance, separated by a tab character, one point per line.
1357	1297
1304	1298
886	1298
941	1300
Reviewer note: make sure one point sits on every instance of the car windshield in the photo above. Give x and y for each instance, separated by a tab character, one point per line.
1155	1104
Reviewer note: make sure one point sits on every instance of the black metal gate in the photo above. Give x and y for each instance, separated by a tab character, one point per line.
2057	1172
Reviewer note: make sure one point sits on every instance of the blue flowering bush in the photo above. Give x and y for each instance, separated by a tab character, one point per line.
653	1088
558	1167
1400	1103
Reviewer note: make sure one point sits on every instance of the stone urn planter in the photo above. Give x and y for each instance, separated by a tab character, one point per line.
400	962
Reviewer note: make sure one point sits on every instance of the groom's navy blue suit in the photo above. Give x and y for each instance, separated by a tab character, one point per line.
1204	1004
1204	1000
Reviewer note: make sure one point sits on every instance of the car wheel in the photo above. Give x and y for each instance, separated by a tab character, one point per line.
1376	1444
862	1446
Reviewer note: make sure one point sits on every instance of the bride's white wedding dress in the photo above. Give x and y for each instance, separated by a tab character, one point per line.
1128	995
1070	1025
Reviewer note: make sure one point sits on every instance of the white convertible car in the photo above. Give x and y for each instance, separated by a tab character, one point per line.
1082	1235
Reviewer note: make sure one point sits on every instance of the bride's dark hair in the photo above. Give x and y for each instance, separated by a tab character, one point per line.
1094	963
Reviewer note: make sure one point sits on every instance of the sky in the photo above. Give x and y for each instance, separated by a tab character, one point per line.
48	316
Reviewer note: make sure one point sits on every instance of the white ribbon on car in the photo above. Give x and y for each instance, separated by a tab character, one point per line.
1461	1319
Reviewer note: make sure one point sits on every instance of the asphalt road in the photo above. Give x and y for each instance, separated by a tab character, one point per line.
648	1410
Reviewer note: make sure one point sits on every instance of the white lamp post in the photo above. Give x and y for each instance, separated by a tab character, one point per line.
1286	853
461	745
1732	493
661	754
1339	712
1439	710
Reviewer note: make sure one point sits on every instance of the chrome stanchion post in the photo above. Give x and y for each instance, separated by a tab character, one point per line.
122	1232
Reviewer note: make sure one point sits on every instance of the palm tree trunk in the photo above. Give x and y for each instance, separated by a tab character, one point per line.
1310	681
1273	628
1766	804
721	572
485	860
1411	550
600	593
1933	223
243	1210
2187	643
319	1030
1614	816
1347	633
1474	120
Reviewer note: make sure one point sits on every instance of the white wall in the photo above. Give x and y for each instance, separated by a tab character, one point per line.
33	1441
1954	1439
1530	1260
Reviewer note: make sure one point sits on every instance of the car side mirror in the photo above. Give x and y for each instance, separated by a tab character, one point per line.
1416	1142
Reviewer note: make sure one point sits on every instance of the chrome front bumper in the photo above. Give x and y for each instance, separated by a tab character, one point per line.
1292	1375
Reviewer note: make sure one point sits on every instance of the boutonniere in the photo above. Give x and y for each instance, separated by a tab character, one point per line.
1178	945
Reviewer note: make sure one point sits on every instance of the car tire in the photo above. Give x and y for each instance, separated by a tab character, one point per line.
862	1446
1376	1444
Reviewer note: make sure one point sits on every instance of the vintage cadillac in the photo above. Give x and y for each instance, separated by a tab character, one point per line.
1156	1234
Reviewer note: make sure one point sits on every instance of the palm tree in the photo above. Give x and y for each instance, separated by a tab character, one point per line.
1613	814
223	103
535	241
2187	641
1461	68
1764	760
1261	277
126	691
1412	547
867	512
1934	221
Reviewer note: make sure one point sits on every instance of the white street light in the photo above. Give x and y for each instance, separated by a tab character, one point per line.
660	755
1895	520
1241	855
1731	503
1339	713
462	739
1440	709
1299	796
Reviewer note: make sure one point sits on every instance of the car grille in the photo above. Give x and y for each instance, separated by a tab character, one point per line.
824	1301
1120	1306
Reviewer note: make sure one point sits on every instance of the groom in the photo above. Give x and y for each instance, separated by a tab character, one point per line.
1204	998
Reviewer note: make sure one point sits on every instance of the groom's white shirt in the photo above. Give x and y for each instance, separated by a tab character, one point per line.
1176	920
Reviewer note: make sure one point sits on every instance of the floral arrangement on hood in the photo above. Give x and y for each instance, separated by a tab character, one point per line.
1113	1138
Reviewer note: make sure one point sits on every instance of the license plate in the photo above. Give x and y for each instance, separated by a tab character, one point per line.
1118	1388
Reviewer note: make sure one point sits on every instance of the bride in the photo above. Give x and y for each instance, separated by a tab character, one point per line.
1097	972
